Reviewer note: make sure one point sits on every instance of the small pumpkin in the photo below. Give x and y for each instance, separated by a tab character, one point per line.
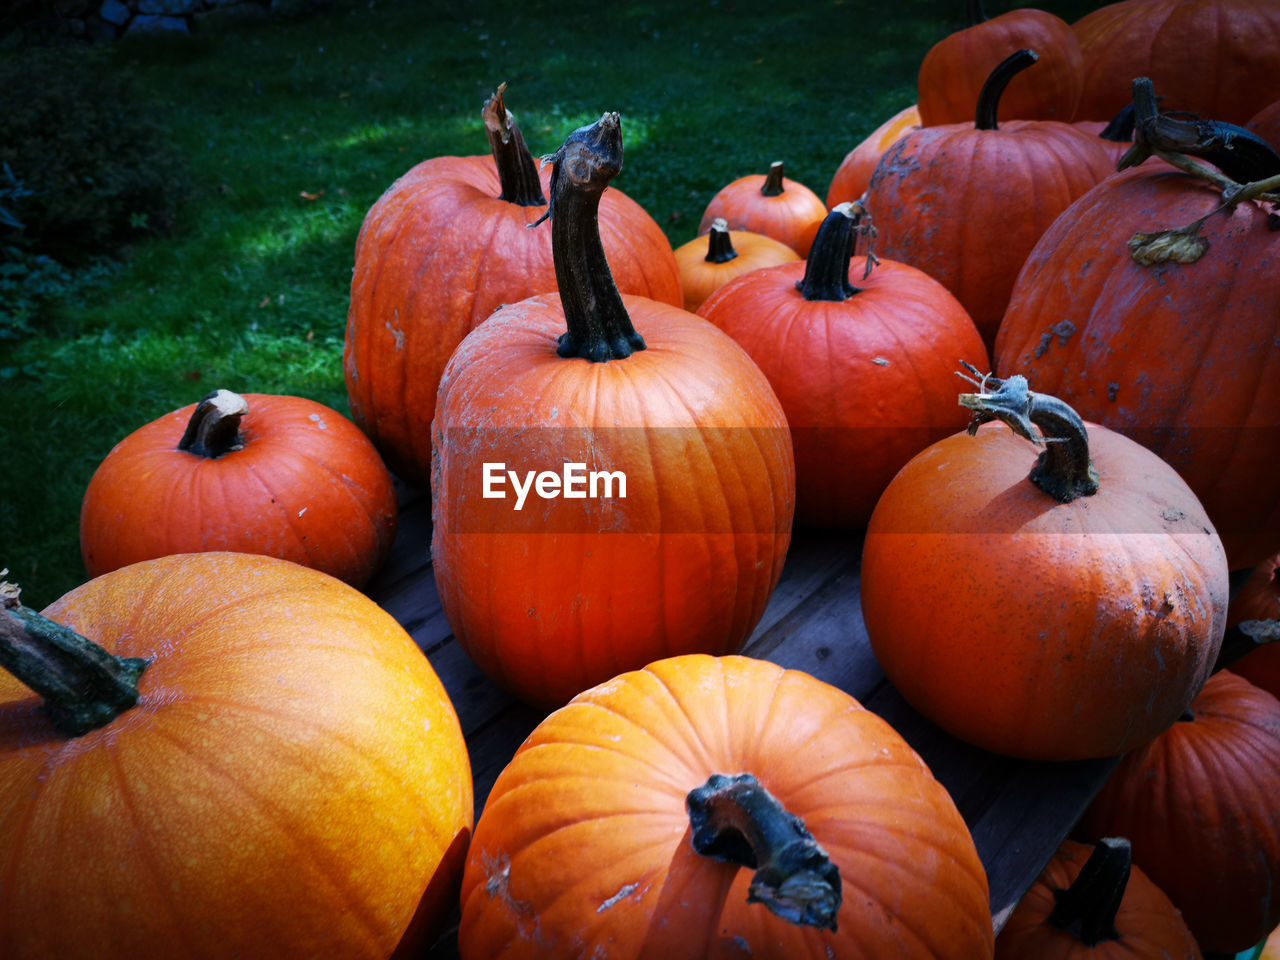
258	473
679	546
225	755
710	261
854	173
1091	902
1054	608
622	826
770	204
1201	806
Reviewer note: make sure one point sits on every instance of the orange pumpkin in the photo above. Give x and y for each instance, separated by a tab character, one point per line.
770	204
285	779
710	261
853	175
282	476
1070	612
1093	904
444	247
671	535
1259	599
618	829
1266	124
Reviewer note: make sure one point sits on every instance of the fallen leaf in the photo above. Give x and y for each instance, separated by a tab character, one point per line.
310	196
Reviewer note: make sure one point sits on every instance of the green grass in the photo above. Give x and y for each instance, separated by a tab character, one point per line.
250	291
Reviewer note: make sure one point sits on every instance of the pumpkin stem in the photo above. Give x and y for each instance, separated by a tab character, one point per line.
1120	128
517	172
719	244
993	88
1087	909
772	186
974	12
214	427
1063	470
826	272
599	327
736	820
82	685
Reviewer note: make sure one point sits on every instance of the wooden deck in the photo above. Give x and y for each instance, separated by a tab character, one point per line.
1018	811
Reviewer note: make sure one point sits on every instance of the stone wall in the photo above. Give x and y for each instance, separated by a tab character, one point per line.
108	19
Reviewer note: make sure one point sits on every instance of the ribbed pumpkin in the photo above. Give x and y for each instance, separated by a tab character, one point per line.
553	595
281	476
1216	58
771	204
444	247
1181	356
966	203
854	173
286	777
1091	903
710	261
1054	608
864	372
1201	806
622	825
954	70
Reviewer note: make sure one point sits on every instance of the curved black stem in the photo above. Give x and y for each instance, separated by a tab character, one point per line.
719	243
993	88
1087	909
214	427
517	171
826	272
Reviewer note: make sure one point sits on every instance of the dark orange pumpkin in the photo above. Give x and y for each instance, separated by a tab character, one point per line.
621	828
285	779
854	173
281	476
770	204
1259	599
1266	124
966	203
864	372
444	247
1093	904
1201	806
956	67
1068	613
710	261
678	546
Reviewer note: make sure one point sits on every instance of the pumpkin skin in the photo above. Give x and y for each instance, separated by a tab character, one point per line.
1181	357
1149	925
1201	806
955	68
291	783
866	382
700	276
303	485
1051	631
1259	599
772	204
1215	58
1266	124
436	255
853	176
583	848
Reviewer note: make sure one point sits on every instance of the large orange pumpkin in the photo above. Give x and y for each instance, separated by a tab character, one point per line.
1057	608
444	247
282	476
621	828
1201	806
286	778
771	204
671	535
864	372
1093	904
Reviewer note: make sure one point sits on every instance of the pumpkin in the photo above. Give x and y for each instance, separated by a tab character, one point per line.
710	261
770	204
854	173
955	68
863	372
966	203
1054	608
444	247
1259	599
1266	124
282	476
1271	948
1216	58
1091	902
622	825
286	777
1201	806
670	536
1180	355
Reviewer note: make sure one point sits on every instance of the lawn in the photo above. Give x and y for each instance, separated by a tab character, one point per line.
290	131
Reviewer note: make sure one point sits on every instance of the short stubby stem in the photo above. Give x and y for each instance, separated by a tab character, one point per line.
1087	909
214	428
